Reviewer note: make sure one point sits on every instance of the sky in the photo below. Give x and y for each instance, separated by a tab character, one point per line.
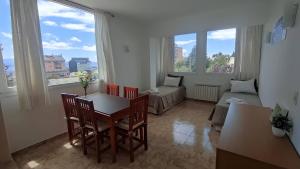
67	31
217	41
5	29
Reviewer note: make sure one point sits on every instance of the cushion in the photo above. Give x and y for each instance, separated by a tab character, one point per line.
172	81
102	125
243	86
181	78
255	84
124	124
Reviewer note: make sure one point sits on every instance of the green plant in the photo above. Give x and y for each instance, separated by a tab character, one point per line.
282	122
84	78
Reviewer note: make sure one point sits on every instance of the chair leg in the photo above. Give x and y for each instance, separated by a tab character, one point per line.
145	138
131	147
141	134
98	147
70	132
83	141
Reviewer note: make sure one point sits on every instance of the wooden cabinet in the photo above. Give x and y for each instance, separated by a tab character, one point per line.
247	142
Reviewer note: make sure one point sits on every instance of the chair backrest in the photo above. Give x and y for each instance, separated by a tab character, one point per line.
86	107
131	92
112	89
70	105
138	110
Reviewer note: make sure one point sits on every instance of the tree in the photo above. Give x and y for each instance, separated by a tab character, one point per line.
220	63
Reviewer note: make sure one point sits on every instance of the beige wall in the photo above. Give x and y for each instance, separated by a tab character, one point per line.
280	64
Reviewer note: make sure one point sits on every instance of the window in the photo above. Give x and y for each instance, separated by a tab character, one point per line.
6	46
68	35
220	51
185	52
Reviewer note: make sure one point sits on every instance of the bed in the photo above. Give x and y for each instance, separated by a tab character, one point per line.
165	98
218	116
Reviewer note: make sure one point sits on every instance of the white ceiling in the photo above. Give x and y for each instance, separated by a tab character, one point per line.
152	10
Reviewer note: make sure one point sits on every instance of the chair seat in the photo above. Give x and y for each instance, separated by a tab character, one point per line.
102	126
124	124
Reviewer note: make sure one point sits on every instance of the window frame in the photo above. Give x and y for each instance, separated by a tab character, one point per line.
205	51
196	57
86	9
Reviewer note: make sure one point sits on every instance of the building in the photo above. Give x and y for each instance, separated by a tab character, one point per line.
79	64
55	66
178	54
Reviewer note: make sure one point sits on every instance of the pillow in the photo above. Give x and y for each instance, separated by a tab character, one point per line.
243	86
172	81
181	78
255	84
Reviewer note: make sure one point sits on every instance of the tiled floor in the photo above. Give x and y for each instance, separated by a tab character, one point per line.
180	138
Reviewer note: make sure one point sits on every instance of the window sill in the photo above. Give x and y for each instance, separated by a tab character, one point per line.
75	84
183	73
13	91
9	93
221	74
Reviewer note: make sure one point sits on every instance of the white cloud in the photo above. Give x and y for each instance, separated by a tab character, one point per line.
50	23
225	34
7	35
75	39
89	48
80	27
50	36
184	42
54	45
53	9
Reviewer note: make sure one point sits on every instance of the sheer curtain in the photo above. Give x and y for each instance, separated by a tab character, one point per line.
104	49
32	86
165	60
247	63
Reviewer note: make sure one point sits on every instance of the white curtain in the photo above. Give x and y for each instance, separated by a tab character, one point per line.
32	86
248	52
104	48
165	60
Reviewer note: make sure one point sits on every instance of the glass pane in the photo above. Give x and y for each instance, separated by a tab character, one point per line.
220	51
68	36
6	44
185	52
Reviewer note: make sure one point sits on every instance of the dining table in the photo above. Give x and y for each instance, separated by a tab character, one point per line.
110	109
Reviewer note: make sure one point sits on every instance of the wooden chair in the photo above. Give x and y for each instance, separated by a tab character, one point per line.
112	89
131	92
72	116
93	130
137	121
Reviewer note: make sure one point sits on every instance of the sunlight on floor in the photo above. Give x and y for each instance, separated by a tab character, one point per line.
206	141
33	164
184	133
68	146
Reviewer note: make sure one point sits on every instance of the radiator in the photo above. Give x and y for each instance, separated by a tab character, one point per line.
204	92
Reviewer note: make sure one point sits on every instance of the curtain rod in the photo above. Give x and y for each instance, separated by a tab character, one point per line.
92	10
